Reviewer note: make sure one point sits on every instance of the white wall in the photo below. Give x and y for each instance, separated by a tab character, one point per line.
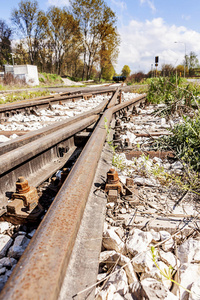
29	72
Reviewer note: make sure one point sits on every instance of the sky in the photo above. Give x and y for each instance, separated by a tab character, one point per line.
147	28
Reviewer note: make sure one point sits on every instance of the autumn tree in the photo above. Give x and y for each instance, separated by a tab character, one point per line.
29	22
191	62
126	71
180	70
97	23
62	33
5	43
167	70
108	52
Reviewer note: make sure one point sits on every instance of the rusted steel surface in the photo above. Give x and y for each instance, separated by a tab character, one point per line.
10	108
33	135
114	98
40	271
39	160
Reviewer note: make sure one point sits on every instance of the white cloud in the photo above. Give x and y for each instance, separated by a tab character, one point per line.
59	2
150	4
142	41
120	4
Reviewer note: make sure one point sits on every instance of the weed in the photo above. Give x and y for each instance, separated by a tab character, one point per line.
12	97
166	273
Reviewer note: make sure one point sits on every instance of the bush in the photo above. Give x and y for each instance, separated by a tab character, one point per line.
10	79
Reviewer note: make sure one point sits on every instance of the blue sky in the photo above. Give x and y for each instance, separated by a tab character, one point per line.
147	28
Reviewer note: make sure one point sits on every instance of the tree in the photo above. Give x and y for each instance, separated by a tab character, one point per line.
126	70
167	70
108	52
30	21
63	33
5	43
97	25
180	70
191	62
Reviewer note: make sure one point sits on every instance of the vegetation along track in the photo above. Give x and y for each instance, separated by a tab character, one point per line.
33	160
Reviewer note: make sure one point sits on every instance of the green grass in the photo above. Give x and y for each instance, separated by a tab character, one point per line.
13	97
47	78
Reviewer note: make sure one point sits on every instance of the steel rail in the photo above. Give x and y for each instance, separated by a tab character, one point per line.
40	271
33	135
34	103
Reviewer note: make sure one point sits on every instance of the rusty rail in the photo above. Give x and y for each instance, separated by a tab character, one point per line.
40	271
33	135
39	103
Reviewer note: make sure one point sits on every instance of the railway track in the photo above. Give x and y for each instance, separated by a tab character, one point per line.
31	156
61	260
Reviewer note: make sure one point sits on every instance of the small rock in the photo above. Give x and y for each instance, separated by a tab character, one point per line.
4	226
177	165
20	244
142	262
155	236
21	233
129	296
111	241
164	235
153	290
3	280
195	291
2	270
170	258
110	205
138	241
188	274
7	262
163	121
177	172
101	276
111	257
188	250
120	232
8	273
157	160
5	242
119	280
156	274
31	234
122	210
106	294
167	166
145	181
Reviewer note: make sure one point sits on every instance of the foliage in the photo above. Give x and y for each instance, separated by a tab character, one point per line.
125	71
47	78
29	22
63	32
185	141
13	97
171	92
9	79
97	25
5	43
166	273
167	70
191	62
138	77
